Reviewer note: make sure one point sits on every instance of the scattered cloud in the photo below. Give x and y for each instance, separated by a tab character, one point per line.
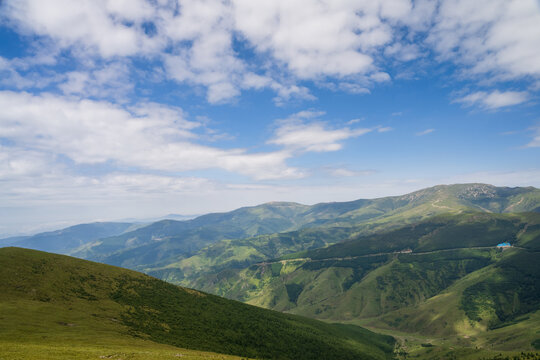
99	27
535	142
495	37
344	172
354	88
148	136
425	132
296	134
495	99
345	43
404	52
355	121
112	81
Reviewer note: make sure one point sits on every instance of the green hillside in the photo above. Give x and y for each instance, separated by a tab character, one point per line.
75	308
233	255
156	247
240	253
392	280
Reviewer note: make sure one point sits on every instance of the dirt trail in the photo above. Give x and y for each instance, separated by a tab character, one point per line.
514	205
434	204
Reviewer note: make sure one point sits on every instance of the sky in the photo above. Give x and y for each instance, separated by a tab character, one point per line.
115	109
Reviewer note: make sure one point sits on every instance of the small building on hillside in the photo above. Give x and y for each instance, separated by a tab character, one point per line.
504	245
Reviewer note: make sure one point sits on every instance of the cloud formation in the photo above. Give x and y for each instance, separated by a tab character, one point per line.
535	142
149	136
345	43
301	133
495	37
495	99
425	132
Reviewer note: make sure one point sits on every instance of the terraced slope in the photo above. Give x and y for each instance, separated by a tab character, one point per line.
76	308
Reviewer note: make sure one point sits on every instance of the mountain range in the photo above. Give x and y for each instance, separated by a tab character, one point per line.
424	267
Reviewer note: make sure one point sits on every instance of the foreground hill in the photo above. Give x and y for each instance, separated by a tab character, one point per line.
443	277
75	308
157	246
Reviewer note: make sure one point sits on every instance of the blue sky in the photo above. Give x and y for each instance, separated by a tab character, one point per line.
117	109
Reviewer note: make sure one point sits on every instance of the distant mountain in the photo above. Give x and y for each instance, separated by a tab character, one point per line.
12	240
179	217
325	224
68	239
64	307
167	238
163	243
443	276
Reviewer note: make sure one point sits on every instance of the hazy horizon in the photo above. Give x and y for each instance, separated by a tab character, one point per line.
39	227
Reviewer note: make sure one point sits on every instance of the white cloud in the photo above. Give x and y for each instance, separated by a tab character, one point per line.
149	136
209	60
425	132
17	163
343	172
341	42
403	52
111	81
194	39
495	99
535	142
354	121
354	88
98	26
296	134
19	73
497	37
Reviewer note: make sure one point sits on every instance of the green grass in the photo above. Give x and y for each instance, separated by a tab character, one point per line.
37	330
65	303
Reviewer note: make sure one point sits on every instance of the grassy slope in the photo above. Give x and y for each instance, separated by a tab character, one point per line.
75	308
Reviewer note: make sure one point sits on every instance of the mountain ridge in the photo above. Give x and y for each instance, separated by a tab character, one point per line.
167	239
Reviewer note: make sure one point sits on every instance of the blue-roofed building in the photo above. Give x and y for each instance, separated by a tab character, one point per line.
504	245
